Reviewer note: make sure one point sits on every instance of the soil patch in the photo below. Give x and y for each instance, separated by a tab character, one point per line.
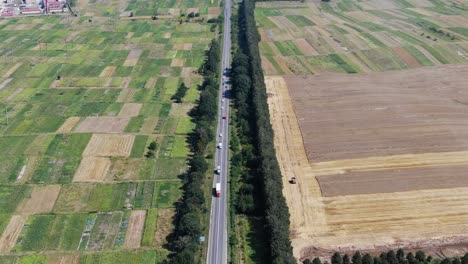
345	116
411	61
103	124
130	110
177	62
108	71
41	200
135	229
164	226
126	95
399	180
133	57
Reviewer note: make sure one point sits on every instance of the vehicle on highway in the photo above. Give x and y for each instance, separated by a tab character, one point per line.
220	145
218	189
220	134
225	117
218	170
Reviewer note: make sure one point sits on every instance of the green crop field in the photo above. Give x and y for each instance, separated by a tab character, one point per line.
57	71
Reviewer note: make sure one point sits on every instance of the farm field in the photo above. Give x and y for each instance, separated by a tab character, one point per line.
81	99
368	104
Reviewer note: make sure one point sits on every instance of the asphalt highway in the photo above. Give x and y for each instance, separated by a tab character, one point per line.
217	239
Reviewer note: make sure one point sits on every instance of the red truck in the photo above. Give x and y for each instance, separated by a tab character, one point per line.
218	189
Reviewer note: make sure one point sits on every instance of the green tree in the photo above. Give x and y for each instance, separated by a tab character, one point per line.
400	255
357	258
446	261
153	145
336	258
307	261
346	259
316	261
367	259
465	259
456	261
420	256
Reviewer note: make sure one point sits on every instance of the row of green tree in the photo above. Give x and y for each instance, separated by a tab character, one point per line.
389	257
184	241
257	177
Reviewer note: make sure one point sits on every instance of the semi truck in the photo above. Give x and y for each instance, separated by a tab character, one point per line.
218	189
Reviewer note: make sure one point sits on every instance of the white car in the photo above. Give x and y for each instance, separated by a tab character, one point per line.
220	145
220	134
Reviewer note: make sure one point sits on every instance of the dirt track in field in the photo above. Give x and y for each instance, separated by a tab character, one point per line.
103	124
436	218
11	233
355	116
135	229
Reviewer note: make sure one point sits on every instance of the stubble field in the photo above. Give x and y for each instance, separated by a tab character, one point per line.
369	116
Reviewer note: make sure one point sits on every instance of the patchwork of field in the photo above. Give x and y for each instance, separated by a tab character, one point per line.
369	107
81	99
360	36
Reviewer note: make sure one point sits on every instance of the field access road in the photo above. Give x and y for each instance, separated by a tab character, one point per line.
217	239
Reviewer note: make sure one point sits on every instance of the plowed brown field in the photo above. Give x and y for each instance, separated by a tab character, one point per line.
105	145
390	151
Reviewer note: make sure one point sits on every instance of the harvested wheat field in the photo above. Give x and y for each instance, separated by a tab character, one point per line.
109	145
380	159
135	229
41	200
92	169
104	124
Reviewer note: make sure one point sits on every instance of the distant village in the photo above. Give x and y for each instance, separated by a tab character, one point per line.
12	8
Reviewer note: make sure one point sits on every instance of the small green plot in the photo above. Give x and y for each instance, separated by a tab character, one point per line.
185	125
56	169
144	195
300	21
180	148
418	55
124	257
139	146
15	145
68	145
109	197
4	219
169	168
150	227
169	193
51	232
11	168
135	124
334	62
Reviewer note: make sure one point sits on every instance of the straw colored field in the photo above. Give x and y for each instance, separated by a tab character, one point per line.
109	145
103	124
92	169
41	200
11	233
130	110
360	215
68	125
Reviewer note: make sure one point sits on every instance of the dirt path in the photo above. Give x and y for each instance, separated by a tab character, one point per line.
11	233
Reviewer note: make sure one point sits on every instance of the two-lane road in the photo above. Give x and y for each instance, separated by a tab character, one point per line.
217	239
